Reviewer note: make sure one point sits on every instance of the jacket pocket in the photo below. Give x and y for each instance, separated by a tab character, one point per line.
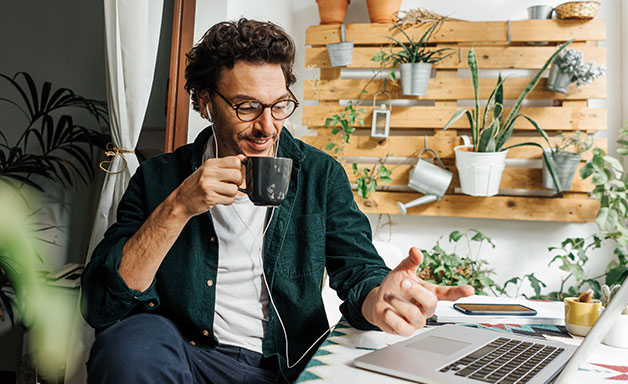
303	250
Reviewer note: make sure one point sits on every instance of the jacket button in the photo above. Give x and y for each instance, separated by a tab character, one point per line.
205	332
151	304
193	343
212	239
210	283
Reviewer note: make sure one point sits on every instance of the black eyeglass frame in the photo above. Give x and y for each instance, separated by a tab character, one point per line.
264	106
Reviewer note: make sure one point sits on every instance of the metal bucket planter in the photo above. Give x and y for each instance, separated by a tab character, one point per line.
414	78
341	54
566	165
558	81
480	172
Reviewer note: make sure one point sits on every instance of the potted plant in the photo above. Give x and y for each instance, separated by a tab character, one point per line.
480	162
566	156
618	334
569	67
415	60
383	11
443	268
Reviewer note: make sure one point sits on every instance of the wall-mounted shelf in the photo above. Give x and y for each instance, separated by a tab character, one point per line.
499	45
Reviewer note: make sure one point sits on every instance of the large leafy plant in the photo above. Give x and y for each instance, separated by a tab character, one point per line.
51	145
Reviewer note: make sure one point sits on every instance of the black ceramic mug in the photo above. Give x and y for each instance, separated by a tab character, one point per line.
267	179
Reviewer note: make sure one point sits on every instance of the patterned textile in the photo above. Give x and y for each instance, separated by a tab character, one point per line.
333	362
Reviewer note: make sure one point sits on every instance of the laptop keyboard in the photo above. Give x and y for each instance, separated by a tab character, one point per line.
505	361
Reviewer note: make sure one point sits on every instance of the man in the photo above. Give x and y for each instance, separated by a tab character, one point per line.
193	283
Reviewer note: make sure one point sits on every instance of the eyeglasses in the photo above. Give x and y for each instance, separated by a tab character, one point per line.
252	109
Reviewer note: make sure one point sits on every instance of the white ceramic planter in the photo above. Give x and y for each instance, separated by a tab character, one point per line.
618	335
480	172
414	78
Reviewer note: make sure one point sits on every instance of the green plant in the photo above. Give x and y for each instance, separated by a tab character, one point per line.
444	268
489	132
573	142
572	63
343	124
414	52
608	293
610	187
51	145
573	255
366	181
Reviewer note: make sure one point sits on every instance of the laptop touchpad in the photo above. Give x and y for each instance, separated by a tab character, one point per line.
439	345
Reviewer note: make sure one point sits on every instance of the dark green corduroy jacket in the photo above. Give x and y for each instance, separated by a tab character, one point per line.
317	226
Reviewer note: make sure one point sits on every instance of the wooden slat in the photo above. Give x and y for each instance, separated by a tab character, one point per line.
512	178
464	31
548	118
495	207
519	57
557	30
409	146
448	89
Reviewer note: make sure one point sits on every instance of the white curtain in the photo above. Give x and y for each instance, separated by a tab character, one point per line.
131	40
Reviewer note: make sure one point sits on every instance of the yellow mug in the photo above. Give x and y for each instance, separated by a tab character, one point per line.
580	317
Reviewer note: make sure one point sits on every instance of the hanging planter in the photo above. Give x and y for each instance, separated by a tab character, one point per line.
414	78
332	11
558	81
566	165
383	11
480	173
415	60
569	67
341	54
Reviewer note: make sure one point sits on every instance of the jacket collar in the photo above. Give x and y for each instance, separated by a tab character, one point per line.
287	148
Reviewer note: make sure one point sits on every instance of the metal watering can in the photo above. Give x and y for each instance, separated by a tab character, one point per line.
429	179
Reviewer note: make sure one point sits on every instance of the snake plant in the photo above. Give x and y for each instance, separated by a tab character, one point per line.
489	130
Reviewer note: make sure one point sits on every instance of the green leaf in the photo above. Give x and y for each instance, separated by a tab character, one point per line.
329	146
455	236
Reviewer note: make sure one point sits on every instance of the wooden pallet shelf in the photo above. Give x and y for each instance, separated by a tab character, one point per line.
499	45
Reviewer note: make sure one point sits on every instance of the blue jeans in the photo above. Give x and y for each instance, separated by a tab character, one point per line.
150	349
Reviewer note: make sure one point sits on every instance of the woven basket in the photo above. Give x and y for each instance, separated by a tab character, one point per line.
577	10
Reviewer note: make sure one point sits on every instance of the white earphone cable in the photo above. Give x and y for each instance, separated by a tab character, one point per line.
270	296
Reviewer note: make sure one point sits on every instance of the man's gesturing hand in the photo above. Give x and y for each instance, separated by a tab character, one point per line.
215	182
404	302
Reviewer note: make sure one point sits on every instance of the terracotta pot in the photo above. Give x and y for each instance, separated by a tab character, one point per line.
332	11
383	11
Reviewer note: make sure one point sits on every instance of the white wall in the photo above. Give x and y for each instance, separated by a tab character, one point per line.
521	247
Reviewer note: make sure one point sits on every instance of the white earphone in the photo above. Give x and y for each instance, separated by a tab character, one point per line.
270	297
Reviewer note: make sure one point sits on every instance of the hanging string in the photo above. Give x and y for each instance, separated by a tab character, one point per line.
113	152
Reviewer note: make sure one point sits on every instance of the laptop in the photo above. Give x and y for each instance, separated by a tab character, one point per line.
460	354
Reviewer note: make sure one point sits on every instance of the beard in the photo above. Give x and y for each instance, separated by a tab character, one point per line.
229	139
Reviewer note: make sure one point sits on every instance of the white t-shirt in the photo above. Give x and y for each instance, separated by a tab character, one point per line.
241	306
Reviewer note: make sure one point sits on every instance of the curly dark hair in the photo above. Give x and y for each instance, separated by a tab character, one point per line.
230	41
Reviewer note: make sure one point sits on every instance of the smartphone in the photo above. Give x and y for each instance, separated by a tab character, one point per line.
494	309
